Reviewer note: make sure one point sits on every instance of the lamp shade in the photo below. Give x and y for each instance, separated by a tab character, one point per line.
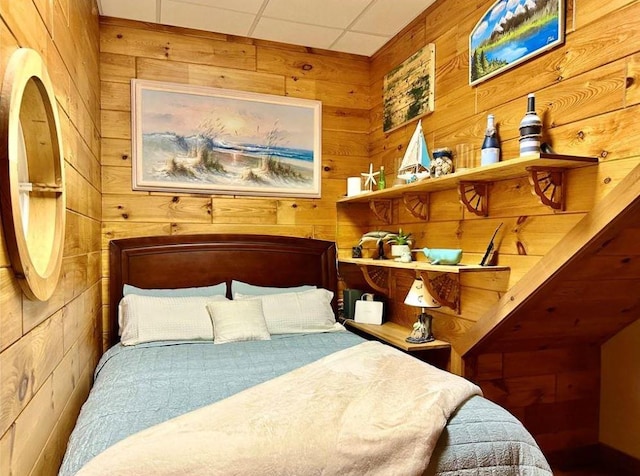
419	296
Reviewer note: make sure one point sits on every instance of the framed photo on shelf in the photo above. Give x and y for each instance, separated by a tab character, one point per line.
196	139
511	32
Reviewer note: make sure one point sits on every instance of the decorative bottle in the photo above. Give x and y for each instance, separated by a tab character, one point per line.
382	180
530	129
490	153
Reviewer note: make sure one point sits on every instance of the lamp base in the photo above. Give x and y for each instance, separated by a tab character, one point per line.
424	340
421	332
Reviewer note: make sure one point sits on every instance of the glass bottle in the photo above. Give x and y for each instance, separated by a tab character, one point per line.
382	180
490	153
530	129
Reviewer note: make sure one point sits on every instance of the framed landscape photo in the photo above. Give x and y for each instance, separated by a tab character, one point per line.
197	139
513	31
408	89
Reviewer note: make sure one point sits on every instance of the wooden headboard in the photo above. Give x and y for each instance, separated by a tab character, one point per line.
201	260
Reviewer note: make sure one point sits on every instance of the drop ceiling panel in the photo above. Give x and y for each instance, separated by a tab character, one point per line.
388	18
296	33
352	26
191	15
141	10
359	43
246	6
332	13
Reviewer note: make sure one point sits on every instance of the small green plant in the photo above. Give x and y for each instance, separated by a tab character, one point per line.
400	238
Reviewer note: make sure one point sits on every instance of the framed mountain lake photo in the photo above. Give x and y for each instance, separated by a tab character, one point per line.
511	32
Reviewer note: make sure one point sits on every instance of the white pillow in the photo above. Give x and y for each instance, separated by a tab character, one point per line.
291	313
215	290
242	288
235	321
207	291
152	318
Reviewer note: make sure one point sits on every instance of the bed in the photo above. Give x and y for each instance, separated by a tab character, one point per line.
144	387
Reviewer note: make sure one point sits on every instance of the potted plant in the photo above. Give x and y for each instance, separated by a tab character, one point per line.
400	244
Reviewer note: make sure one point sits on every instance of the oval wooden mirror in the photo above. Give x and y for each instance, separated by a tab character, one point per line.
32	174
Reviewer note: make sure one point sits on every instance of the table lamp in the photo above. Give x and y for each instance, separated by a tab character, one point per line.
419	296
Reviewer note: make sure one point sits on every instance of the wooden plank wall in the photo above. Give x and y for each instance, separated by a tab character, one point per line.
588	95
136	50
48	350
587	89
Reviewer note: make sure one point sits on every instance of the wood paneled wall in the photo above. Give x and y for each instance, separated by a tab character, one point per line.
136	50
588	94
48	350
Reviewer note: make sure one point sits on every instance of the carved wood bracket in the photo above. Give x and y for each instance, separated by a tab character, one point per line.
382	210
547	184
445	288
417	204
376	277
475	196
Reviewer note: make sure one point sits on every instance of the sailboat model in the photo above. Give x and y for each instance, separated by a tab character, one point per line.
416	162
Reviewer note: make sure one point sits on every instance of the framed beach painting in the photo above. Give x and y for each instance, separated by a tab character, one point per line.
513	31
197	139
408	89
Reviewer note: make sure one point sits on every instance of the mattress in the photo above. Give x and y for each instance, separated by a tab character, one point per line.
140	386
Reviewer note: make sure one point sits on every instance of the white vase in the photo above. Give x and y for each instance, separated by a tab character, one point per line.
401	250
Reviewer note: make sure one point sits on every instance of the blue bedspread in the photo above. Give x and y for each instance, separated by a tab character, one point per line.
140	386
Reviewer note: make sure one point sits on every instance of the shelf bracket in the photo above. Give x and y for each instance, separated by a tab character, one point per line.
547	184
376	277
417	204
475	196
381	209
444	289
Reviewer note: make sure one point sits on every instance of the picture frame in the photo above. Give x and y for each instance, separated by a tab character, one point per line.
511	32
408	89
197	139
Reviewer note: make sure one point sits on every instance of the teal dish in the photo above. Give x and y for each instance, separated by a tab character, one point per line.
442	256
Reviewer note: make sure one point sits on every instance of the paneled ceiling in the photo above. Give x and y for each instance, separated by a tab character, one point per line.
351	26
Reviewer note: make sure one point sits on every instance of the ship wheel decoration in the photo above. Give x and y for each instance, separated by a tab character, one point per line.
381	209
417	204
547	185
475	196
377	278
445	289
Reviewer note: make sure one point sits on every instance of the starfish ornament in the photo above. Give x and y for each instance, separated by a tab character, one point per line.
370	178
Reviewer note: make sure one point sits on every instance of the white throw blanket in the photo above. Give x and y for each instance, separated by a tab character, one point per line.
369	409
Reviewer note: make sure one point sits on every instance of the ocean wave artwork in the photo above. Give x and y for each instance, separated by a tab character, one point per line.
207	140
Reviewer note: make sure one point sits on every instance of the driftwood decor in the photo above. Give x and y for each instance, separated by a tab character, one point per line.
32	174
408	90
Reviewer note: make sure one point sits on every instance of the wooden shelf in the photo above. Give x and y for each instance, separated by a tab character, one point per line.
488	173
445	287
545	171
395	335
423	265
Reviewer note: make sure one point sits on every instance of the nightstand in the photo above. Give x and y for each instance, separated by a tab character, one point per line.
436	353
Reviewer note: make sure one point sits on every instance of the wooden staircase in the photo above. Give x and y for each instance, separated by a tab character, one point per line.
586	289
537	352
